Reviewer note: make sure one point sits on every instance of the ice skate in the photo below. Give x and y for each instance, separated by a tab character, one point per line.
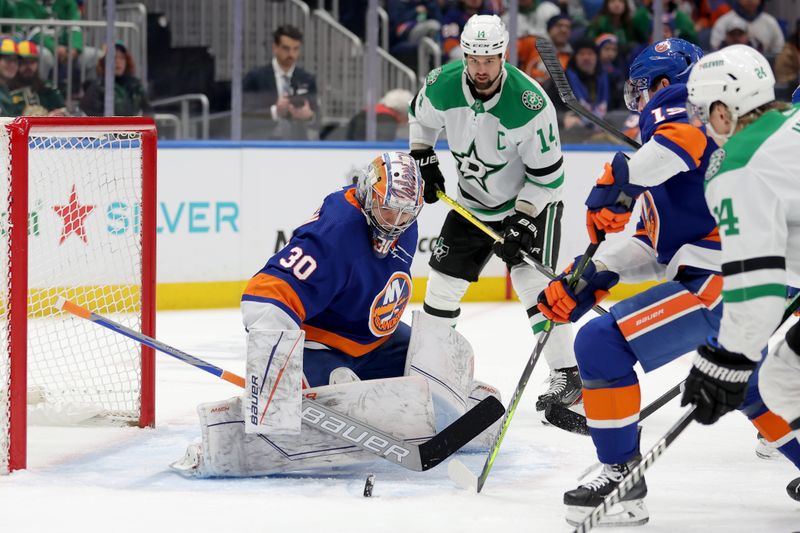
189	464
766	449
566	389
793	489
631	511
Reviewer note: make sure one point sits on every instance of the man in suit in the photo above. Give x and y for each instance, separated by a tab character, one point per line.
288	92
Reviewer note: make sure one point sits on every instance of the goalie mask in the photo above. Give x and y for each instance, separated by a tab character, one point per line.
390	193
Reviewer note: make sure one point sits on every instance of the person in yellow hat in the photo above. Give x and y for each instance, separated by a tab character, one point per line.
31	95
9	64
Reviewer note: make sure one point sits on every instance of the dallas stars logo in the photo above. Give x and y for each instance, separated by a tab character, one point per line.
715	162
472	167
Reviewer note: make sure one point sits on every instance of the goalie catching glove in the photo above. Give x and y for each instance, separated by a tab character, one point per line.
610	202
561	303
717	382
431	174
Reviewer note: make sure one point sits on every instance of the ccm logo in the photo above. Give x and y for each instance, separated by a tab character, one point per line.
331	424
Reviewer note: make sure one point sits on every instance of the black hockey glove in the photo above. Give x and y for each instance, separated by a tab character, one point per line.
717	382
432	176
519	233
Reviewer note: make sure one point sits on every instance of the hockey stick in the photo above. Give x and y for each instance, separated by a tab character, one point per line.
458	472
417	457
550	59
636	474
563	418
461	210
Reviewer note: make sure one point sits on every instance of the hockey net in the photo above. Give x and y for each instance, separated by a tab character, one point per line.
88	235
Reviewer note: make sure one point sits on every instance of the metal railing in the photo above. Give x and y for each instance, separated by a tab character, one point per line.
127	11
172	122
383	16
186	120
339	67
429	57
93	41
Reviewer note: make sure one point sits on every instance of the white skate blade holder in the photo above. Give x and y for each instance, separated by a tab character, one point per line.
621	514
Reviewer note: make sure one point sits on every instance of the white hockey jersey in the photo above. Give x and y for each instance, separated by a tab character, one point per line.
505	147
753	190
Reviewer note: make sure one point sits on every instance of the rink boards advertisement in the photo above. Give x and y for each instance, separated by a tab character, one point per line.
223	209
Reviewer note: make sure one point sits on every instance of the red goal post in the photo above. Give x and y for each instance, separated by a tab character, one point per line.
78	220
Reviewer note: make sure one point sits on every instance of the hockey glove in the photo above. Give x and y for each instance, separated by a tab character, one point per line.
561	303
611	200
519	234
431	175
717	382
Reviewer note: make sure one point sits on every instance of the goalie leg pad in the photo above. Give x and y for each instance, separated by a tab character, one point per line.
444	358
400	406
272	399
484	441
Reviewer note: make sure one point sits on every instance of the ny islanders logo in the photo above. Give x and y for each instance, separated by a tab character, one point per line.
388	305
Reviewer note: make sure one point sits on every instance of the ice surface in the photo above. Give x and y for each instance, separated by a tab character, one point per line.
116	479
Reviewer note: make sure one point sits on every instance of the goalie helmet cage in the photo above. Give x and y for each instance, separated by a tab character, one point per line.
77	220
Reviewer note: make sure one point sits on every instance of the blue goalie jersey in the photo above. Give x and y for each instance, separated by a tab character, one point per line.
328	280
675	220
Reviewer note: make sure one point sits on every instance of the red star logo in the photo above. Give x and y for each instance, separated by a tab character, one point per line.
74	215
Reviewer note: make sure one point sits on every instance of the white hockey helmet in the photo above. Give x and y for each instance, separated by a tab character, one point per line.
390	193
484	35
738	76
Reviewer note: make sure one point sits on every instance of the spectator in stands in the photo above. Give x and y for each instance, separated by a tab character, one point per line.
130	97
613	18
787	64
559	29
764	31
616	70
589	82
453	22
55	46
681	24
533	16
390	113
736	33
9	64
411	21
31	95
286	91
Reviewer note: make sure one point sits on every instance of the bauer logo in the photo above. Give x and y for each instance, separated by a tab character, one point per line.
388	305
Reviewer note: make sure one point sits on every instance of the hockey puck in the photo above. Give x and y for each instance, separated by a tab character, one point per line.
368	485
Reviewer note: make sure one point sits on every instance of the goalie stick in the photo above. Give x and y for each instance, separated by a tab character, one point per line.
550	59
416	457
456	470
461	210
563	418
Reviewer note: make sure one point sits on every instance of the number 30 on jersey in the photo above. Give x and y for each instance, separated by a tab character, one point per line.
301	265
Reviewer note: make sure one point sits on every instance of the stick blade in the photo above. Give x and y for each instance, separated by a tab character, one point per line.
461	432
462	476
562	418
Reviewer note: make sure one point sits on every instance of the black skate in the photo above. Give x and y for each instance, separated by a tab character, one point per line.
630	511
566	389
793	489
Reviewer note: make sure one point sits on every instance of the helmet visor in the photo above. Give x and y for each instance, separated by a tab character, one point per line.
636	91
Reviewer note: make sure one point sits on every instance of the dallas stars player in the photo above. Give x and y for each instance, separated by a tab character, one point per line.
503	133
753	190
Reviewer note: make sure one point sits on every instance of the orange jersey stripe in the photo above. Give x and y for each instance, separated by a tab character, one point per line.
266	286
686	136
338	342
711	291
612	404
772	426
350	196
713	236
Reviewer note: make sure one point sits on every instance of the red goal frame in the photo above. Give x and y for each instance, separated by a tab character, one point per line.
19	131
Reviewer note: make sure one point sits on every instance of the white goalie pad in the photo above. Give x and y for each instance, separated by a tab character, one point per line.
485	440
444	358
400	406
272	400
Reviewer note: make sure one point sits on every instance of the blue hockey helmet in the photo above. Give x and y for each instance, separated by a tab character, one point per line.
670	58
